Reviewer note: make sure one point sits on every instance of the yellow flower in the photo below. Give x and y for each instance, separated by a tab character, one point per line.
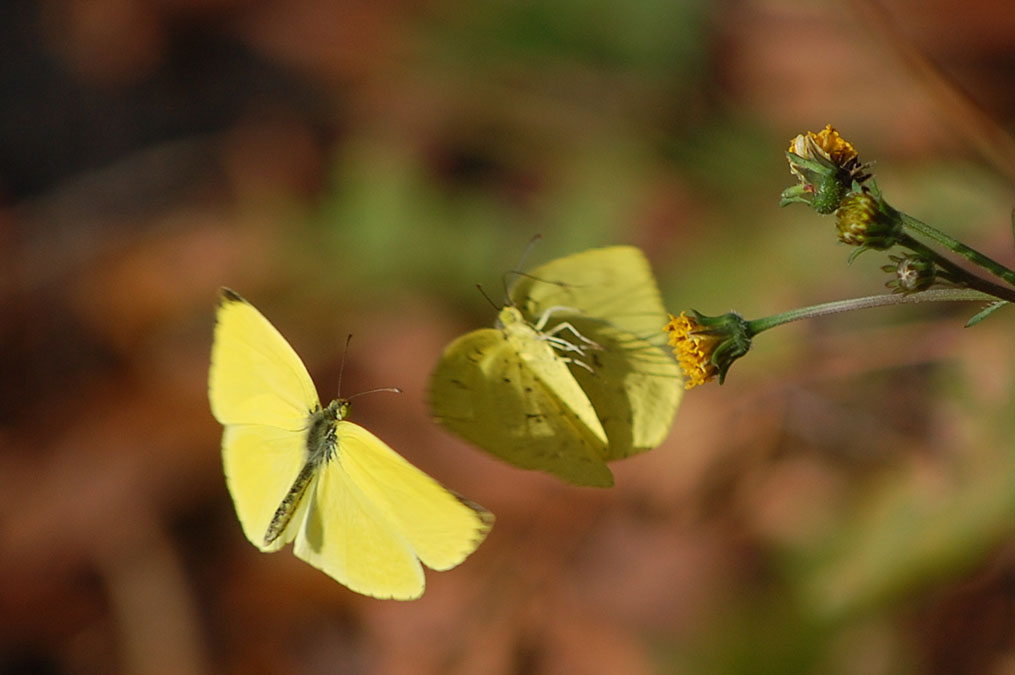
693	349
706	346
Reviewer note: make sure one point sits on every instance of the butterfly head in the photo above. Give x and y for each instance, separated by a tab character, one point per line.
509	316
337	410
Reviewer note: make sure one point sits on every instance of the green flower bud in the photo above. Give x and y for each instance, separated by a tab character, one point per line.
865	220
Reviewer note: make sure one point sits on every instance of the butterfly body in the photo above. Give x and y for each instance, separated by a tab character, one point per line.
321	444
300	473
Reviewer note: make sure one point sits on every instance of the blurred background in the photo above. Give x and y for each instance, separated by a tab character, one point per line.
843	504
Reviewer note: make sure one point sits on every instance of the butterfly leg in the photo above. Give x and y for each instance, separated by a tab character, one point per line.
560	327
577	362
564	325
564	346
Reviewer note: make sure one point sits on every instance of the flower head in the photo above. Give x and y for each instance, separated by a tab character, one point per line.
827	144
706	346
868	221
827	166
911	272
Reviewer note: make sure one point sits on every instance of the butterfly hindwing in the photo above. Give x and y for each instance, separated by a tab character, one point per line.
440	526
260	463
350	538
372	517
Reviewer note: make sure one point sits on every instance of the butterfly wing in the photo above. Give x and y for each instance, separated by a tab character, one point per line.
255	376
609	296
614	284
634	386
372	517
347	537
506	391
260	391
260	464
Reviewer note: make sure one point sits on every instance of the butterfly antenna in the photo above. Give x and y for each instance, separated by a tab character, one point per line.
541	279
341	368
393	390
521	264
488	298
528	249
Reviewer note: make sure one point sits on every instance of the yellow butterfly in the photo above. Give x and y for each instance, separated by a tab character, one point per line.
573	376
300	473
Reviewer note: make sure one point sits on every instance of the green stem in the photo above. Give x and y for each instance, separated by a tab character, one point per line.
994	267
945	295
956	274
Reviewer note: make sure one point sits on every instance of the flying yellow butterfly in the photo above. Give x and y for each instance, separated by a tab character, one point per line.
573	376
300	473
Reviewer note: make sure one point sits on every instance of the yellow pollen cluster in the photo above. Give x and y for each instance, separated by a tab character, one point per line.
692	348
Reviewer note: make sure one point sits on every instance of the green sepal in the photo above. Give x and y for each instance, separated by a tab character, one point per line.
734	335
856	252
798	194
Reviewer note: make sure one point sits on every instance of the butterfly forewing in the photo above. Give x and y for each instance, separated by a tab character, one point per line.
255	376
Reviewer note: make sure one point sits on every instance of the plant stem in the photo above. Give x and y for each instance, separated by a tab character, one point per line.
956	274
994	267
943	295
